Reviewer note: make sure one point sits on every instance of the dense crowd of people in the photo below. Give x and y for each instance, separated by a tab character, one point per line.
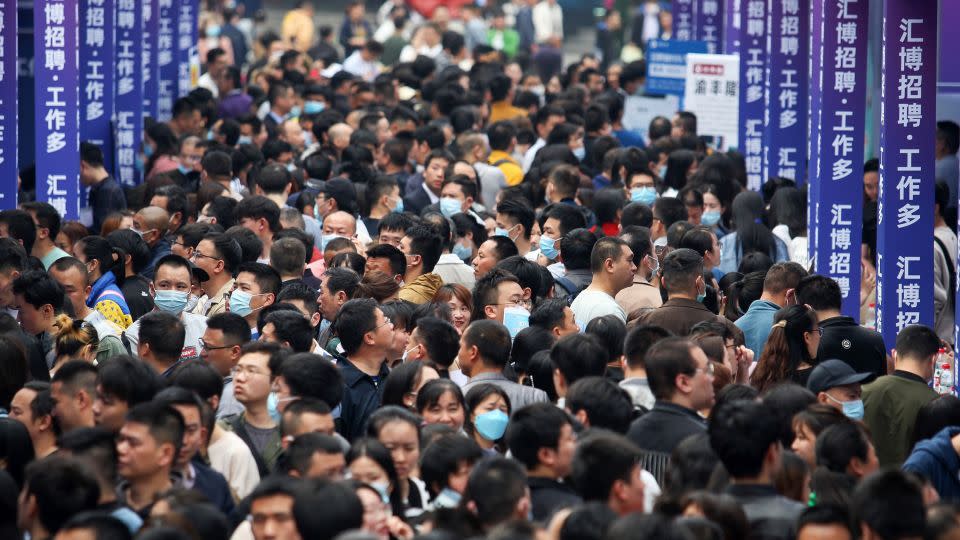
414	280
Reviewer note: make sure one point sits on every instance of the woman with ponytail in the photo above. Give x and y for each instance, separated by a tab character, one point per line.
73	340
105	268
791	349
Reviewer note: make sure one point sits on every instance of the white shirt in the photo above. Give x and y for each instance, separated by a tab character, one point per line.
453	270
232	458
547	21
532	153
591	304
356	65
206	81
195	326
433	198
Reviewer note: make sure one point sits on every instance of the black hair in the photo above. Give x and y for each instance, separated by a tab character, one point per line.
495	487
527	273
163	421
426	242
783	402
164	333
935	415
259	207
825	514
589	521
430	394
128	379
103	526
327	511
310	376
176	200
401	381
199	377
38	288
299	455
680	269
12	255
133	245
441	340
917	342
528	342
606	404
890	503
223	208
549	313
600	461
16	448
354	319
61	487
370	447
492	341
485	290
568	216
233	326
741	433
636	213
266	278
96	248
838	444
20	226
443	457
578	356
290	420
610	332
576	248
639	340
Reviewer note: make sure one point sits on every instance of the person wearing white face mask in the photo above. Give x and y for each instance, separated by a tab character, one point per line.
643	293
171	294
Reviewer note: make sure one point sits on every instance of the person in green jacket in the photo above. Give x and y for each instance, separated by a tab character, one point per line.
891	402
502	38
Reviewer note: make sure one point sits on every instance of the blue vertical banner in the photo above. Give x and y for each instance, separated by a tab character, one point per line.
8	104
56	80
785	96
149	16
128	114
96	75
166	58
684	13
907	128
188	55
709	24
26	100
814	111
731	26
838	99
753	64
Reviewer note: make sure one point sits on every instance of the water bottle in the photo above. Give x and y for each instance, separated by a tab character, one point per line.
946	378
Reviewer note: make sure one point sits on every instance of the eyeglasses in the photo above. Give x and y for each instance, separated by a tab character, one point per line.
384	323
708	369
206	347
198	255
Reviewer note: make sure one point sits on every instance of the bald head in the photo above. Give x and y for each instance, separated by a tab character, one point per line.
341	223
340	135
152	222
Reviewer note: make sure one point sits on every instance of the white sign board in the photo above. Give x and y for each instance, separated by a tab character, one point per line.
638	111
711	92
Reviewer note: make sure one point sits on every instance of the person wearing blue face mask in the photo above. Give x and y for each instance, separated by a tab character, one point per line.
256	287
642	188
489	409
171	293
837	385
384	196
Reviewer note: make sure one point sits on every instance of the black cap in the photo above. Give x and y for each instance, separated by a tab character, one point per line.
832	373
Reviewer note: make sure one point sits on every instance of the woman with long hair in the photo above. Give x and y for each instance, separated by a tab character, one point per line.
160	147
404	382
791	350
398	429
681	164
105	271
788	215
750	234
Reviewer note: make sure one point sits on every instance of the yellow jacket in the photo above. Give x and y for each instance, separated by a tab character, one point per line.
297	30
422	289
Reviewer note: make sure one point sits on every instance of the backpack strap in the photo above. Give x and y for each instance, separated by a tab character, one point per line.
240	429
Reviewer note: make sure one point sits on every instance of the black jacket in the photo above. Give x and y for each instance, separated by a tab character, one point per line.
361	396
860	347
547	496
662	429
416	201
771	515
213	485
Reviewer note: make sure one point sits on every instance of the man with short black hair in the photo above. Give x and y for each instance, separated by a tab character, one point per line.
574	357
891	403
39	299
643	292
221	346
54	490
889	505
484	353
106	195
496	492
219	256
435	342
681	379
841	337
73	390
422	247
666	212
597	402
434	170
262	216
745	436
515	220
147	449
252	384
611	263
682	277
554	316
315	455
47	220
638	341
122	383
779	290
32	406
502	136
606	469
365	335
289	328
255	288
541	436
160	341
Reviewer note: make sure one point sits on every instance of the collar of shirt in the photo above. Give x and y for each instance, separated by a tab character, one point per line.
352	374
433	198
908	376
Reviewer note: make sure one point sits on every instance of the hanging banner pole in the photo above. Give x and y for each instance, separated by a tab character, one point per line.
753	63
838	102
785	95
56	80
8	104
907	128
128	125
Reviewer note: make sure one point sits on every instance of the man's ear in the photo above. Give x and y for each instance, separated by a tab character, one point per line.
490	311
168	455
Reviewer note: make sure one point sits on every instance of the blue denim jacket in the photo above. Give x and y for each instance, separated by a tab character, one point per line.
756	324
730	255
